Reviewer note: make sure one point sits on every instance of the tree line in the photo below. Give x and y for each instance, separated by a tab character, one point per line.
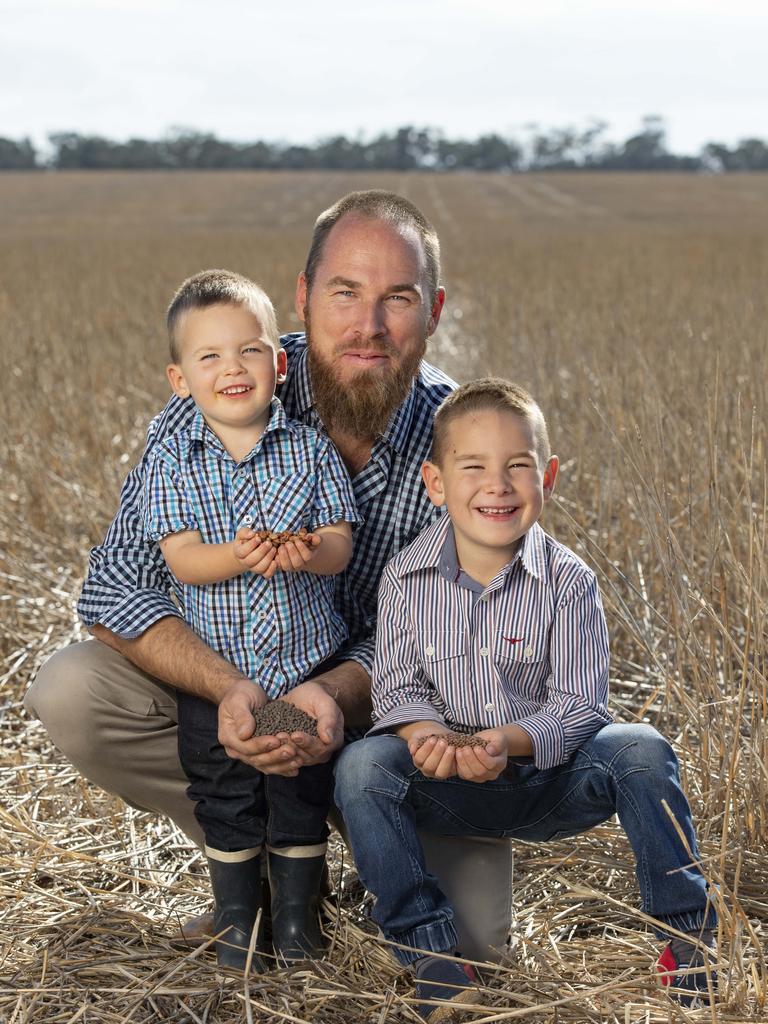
405	149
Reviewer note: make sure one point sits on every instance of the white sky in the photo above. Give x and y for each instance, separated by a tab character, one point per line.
301	69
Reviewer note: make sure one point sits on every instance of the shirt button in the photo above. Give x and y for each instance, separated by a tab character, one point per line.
489	707
528	652
262	615
484	651
429	651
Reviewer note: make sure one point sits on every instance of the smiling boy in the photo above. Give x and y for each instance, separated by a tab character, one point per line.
239	468
491	629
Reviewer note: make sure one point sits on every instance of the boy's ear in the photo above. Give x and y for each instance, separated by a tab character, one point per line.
177	381
282	365
550	476
433	481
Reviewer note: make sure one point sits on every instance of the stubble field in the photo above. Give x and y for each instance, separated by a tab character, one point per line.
635	308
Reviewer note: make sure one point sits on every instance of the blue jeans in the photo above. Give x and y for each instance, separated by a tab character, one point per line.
624	769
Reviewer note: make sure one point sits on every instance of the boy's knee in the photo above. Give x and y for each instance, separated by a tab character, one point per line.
362	764
628	747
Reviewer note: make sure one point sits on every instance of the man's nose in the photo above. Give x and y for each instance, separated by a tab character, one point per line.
370	321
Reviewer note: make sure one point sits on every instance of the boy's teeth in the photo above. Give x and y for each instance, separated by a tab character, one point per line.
235	391
498	511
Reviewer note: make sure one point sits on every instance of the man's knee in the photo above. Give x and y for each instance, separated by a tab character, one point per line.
59	684
366	765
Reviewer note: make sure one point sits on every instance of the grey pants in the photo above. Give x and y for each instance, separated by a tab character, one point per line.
118	727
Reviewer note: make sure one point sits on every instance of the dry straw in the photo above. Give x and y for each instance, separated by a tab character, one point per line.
635	309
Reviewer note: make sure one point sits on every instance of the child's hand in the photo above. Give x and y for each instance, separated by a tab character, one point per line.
255	555
295	555
434	757
483	764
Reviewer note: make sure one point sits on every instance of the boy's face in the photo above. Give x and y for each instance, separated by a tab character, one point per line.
227	365
492	483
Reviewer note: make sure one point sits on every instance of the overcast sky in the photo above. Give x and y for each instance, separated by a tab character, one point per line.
302	69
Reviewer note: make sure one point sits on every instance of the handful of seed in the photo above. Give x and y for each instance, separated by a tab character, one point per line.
454	739
277	539
280	716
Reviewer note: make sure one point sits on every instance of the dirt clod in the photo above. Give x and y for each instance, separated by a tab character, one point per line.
278	538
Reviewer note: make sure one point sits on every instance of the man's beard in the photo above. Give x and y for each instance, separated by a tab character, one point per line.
362	406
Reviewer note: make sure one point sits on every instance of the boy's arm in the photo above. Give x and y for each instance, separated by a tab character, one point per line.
577	689
193	561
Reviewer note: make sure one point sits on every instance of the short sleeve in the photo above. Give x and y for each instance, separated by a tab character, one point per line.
333	499
166	508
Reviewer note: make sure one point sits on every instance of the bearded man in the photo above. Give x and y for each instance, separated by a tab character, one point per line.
369	298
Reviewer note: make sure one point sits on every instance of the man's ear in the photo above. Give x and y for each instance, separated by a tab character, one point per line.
550	476
282	365
433	481
176	380
437	309
300	300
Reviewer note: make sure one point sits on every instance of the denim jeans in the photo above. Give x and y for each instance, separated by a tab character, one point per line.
239	807
624	769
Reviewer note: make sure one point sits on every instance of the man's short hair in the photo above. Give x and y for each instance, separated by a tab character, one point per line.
212	287
490	393
377	204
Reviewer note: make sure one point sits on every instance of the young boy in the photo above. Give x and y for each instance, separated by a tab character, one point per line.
490	629
242	467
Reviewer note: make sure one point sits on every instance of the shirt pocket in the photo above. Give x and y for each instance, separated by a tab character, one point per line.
522	659
286	502
444	657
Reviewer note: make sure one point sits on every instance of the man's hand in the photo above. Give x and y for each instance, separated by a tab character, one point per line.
281	754
254	555
434	757
483	764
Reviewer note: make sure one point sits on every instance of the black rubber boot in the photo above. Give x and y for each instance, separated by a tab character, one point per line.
237	891
295	886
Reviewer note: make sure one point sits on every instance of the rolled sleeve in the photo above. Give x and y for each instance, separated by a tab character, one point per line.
333	499
401	692
577	690
165	506
128	587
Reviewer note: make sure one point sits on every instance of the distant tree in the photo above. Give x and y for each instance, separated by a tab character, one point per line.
17	156
747	155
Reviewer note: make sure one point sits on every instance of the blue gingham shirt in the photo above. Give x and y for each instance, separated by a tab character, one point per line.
531	648
275	631
128	587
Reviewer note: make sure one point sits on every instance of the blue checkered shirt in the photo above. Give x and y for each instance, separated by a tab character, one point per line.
128	587
275	631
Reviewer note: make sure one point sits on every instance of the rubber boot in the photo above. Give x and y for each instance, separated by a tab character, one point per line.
236	889
295	885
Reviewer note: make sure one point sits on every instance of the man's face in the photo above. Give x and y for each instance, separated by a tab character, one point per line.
367	317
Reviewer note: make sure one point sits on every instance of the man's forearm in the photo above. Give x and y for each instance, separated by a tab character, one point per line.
173	653
350	686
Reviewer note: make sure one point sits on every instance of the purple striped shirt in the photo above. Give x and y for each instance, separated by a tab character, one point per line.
531	648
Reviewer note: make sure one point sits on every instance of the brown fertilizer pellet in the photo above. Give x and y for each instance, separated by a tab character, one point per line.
277	539
280	716
455	739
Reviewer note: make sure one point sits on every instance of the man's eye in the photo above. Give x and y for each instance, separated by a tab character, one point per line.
397	297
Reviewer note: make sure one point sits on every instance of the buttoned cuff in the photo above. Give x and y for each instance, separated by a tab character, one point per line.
132	615
403	714
548	739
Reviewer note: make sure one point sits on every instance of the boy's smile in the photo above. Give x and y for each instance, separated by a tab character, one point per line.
230	369
493	486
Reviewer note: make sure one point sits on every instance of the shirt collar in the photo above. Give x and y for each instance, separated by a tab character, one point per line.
200	432
399	427
435	547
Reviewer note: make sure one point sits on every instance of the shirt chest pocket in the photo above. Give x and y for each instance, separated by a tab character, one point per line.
521	646
444	657
286	502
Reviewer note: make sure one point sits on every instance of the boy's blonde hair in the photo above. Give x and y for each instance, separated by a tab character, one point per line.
212	287
496	394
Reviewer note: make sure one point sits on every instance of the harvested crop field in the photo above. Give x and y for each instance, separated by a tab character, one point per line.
636	309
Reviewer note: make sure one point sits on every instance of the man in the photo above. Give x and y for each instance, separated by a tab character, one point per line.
369	298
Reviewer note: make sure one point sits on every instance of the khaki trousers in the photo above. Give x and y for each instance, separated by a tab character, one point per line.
118	727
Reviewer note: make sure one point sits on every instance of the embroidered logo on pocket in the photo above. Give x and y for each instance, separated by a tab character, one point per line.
513	639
